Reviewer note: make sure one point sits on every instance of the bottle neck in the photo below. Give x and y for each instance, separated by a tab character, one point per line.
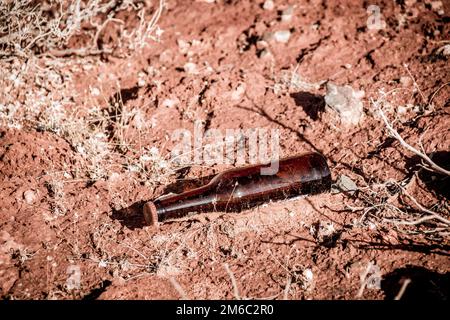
185	204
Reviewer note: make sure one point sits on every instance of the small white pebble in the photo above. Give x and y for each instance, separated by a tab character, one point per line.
133	168
261	44
315	26
406	81
95	91
268	5
445	50
141	82
29	196
170	103
141	79
239	92
282	36
265	53
286	15
114	177
308	274
87	67
190	68
401	110
183	46
438	7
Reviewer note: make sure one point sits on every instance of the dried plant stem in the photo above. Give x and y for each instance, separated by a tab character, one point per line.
432	214
179	288
402	289
233	281
432	165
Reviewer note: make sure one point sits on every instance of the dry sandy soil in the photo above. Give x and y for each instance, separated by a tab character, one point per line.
86	139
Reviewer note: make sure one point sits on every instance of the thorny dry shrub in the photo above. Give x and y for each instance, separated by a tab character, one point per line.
31	26
395	203
98	139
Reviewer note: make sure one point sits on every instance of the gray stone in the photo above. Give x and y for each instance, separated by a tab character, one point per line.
346	184
346	102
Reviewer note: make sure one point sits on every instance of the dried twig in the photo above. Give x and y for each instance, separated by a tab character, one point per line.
415	83
432	215
287	287
233	281
402	289
179	288
432	165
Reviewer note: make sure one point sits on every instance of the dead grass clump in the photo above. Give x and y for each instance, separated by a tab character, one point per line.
394	201
33	27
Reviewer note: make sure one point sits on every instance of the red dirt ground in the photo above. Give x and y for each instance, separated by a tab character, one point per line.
96	225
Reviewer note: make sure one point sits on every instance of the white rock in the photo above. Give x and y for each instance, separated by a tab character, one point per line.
141	79
444	51
346	102
170	103
29	196
239	92
141	83
268	5
95	91
406	81
372	226
402	110
265	53
282	36
438	7
183	46
261	44
308	274
286	15
190	68
114	177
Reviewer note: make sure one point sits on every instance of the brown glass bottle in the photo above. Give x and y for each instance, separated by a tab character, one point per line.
242	188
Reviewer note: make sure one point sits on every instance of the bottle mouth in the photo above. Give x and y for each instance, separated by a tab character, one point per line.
150	214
